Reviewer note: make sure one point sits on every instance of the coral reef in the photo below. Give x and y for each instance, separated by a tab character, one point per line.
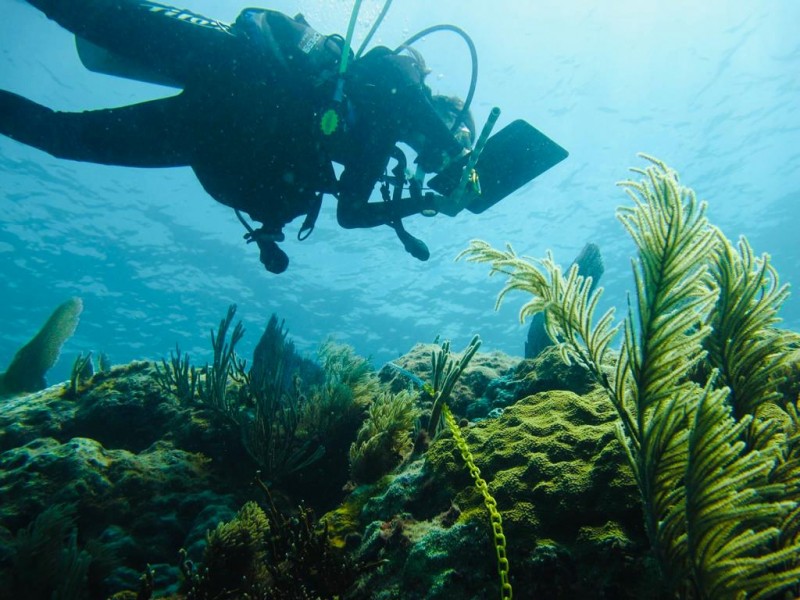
158	475
149	468
149	475
669	468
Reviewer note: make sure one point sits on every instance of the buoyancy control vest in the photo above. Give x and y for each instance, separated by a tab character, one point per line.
302	59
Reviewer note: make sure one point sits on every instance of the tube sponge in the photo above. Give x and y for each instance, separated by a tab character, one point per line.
31	362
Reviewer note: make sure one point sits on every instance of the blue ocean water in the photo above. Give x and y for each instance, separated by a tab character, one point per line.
711	88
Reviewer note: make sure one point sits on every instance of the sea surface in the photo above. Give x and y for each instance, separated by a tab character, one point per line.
711	88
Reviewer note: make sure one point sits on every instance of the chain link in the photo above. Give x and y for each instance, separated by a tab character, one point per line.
491	504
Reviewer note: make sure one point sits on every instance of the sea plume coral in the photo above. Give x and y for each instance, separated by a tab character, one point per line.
714	507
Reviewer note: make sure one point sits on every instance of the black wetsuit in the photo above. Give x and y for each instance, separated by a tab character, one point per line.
248	117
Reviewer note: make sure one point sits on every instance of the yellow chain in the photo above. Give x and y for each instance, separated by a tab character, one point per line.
488	500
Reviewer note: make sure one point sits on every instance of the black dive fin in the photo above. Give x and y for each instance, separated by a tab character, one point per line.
99	60
512	157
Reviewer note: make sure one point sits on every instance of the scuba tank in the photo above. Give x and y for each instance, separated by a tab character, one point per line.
286	44
99	60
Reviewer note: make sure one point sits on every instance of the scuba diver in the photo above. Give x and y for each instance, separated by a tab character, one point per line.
266	105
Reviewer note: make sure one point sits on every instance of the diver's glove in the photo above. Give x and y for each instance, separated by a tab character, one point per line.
466	188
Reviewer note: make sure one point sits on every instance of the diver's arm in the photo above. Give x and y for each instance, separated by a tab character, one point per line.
356	211
357	184
391	102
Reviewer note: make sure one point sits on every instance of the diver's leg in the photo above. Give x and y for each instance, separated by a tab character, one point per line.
151	134
172	41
